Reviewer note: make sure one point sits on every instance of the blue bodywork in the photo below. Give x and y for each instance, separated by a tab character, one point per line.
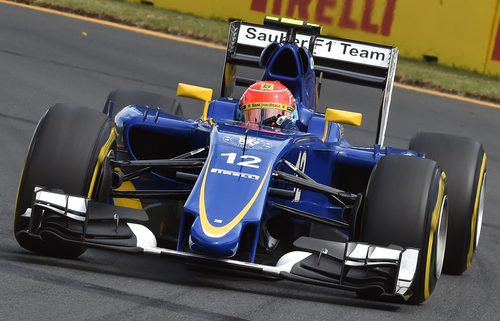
230	203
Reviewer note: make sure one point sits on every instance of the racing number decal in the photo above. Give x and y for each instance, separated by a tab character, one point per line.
251	162
247	160
231	157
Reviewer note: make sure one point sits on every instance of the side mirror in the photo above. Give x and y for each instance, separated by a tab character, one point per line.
341	117
200	93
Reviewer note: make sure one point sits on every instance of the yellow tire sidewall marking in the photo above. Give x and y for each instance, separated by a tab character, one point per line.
473	223
433	228
100	159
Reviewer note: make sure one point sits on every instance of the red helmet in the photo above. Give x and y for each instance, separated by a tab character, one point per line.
266	101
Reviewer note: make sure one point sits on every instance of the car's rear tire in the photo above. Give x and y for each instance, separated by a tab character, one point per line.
121	98
406	205
464	162
66	153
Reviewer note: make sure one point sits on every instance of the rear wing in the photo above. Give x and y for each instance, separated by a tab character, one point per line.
334	58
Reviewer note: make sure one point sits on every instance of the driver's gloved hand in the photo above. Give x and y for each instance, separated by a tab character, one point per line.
283	121
271	121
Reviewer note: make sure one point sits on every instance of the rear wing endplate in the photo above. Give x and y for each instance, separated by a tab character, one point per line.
339	59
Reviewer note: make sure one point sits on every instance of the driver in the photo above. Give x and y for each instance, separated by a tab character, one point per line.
269	102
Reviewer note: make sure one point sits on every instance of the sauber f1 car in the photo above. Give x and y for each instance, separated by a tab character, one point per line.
297	203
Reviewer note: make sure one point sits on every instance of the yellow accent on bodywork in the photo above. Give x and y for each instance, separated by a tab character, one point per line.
432	232
211	121
100	159
474	214
220	231
196	92
127	202
292	21
341	117
229	74
325	132
272	18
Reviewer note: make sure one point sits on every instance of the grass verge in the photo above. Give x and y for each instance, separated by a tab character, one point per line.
411	72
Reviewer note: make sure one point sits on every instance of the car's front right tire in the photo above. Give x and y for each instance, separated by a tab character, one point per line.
66	153
464	162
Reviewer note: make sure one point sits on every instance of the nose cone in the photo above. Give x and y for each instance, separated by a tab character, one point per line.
221	246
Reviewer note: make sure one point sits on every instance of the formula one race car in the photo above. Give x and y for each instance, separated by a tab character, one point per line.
292	201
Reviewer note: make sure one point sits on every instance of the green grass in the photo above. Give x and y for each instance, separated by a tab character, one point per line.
413	72
448	79
143	16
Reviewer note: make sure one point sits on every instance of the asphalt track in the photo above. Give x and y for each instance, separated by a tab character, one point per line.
46	58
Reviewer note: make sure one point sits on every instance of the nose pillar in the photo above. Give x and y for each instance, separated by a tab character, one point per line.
211	245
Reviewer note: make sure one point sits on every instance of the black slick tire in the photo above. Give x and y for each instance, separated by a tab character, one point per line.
66	153
405	205
464	162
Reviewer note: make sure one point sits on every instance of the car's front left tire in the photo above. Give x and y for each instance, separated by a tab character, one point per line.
406	205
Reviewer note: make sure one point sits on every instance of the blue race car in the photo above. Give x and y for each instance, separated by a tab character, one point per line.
263	184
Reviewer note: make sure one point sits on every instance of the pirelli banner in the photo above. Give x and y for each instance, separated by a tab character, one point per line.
461	33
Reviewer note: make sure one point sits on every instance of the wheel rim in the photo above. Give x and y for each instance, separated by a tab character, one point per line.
442	232
480	210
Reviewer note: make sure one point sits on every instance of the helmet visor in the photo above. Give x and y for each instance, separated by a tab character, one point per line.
262	112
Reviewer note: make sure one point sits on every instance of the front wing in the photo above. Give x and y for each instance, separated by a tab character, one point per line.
346	265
